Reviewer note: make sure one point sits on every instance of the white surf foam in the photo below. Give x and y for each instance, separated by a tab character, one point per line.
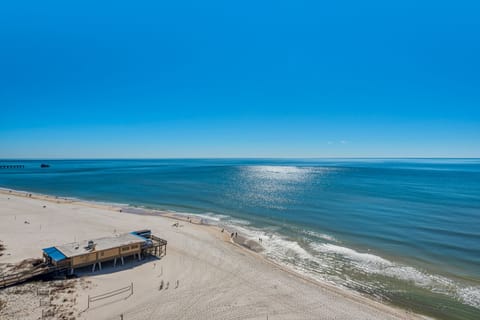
323	236
366	258
373	264
470	296
210	217
274	245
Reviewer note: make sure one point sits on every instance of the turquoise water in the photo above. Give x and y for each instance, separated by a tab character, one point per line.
400	230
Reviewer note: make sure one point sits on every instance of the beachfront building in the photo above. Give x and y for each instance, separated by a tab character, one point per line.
74	255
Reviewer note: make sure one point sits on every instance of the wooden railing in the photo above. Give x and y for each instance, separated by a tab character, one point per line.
159	240
12	279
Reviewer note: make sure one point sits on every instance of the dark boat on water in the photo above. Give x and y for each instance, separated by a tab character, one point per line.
43	165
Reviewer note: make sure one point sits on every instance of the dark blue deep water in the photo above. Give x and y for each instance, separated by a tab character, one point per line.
402	230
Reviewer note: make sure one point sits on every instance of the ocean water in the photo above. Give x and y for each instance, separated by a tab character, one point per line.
405	231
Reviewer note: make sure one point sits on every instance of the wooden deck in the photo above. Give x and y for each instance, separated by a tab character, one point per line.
20	277
159	247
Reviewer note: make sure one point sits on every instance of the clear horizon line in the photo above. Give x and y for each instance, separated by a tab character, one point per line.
225	158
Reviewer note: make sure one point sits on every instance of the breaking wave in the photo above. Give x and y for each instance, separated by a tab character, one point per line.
372	264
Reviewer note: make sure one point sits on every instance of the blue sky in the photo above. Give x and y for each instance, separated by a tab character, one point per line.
239	79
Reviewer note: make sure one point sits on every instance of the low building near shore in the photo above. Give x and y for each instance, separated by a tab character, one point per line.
95	252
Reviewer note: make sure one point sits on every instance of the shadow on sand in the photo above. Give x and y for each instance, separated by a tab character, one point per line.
107	267
120	294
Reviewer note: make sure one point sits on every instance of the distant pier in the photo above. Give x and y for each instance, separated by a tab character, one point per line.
12	166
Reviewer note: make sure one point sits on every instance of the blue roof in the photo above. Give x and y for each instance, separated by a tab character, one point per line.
136	234
55	254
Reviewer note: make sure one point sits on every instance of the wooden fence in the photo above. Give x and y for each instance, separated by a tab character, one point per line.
43	291
48	314
45	302
110	294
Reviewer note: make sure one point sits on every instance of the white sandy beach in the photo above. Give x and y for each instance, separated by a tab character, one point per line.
217	279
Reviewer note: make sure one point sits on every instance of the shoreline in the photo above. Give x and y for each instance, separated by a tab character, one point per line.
215	231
